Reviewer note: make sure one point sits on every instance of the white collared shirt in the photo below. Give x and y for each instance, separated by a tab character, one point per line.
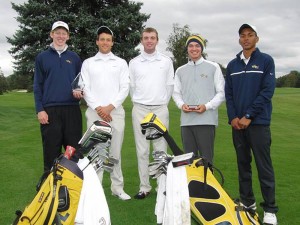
151	79
106	80
244	58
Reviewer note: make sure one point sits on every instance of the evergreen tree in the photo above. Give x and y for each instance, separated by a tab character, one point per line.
84	17
3	83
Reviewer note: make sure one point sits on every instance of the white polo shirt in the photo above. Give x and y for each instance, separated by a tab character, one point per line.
106	80
151	79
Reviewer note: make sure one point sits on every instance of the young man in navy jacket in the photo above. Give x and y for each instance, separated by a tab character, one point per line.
57	109
249	87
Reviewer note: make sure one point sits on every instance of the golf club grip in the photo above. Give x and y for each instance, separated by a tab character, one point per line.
172	144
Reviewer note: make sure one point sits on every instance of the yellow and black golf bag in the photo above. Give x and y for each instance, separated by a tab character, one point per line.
59	190
209	202
57	198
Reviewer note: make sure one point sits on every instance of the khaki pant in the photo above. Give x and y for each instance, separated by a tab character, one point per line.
139	111
118	126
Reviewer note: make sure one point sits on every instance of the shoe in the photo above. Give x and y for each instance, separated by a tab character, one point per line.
122	195
141	195
270	218
251	207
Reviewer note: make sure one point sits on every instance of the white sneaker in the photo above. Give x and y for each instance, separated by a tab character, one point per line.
122	195
270	218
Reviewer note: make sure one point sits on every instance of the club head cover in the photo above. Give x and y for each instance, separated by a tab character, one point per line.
152	127
99	132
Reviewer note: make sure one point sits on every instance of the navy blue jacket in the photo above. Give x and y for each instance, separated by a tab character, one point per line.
53	76
249	88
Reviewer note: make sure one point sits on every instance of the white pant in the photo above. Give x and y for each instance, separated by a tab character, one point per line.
118	126
142	145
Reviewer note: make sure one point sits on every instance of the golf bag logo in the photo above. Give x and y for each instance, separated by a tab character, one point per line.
102	221
41	197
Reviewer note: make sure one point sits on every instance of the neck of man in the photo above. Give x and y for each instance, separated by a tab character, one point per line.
59	48
248	52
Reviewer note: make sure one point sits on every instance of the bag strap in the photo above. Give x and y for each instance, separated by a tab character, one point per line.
56	178
203	162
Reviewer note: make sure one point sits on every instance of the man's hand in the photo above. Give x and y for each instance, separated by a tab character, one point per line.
104	112
185	108
43	117
244	123
78	94
235	123
200	109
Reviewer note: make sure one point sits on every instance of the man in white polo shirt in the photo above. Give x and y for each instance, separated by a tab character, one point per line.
106	85
151	87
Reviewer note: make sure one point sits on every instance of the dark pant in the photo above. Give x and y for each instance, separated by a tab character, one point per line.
258	139
64	128
199	139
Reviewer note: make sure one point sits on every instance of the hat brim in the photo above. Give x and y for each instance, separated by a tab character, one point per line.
244	26
104	29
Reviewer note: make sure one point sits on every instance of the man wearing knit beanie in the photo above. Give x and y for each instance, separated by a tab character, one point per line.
198	92
196	38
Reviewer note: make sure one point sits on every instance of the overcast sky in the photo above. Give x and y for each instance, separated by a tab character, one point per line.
277	22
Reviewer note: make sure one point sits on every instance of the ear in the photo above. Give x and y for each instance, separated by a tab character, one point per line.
257	39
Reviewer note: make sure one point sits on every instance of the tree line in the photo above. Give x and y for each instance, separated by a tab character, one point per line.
84	17
14	82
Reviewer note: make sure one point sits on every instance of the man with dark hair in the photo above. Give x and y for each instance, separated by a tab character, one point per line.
151	87
106	86
57	109
249	88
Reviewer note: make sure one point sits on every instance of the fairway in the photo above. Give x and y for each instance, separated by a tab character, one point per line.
21	159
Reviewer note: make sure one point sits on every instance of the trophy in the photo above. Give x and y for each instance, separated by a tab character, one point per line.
78	84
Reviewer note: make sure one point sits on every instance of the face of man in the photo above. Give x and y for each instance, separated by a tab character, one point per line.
105	43
149	41
248	39
60	36
194	51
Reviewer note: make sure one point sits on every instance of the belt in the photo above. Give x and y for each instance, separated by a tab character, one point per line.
147	105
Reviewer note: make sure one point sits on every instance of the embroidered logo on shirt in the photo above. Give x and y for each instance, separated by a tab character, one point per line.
203	75
69	61
255	66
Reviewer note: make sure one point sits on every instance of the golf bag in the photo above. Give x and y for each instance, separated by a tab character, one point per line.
209	202
59	191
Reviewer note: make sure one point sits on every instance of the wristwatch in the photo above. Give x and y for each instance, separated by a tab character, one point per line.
247	116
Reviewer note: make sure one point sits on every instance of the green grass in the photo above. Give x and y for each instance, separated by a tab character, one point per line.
21	159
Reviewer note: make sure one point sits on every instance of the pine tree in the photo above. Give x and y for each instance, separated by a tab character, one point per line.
84	17
3	83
